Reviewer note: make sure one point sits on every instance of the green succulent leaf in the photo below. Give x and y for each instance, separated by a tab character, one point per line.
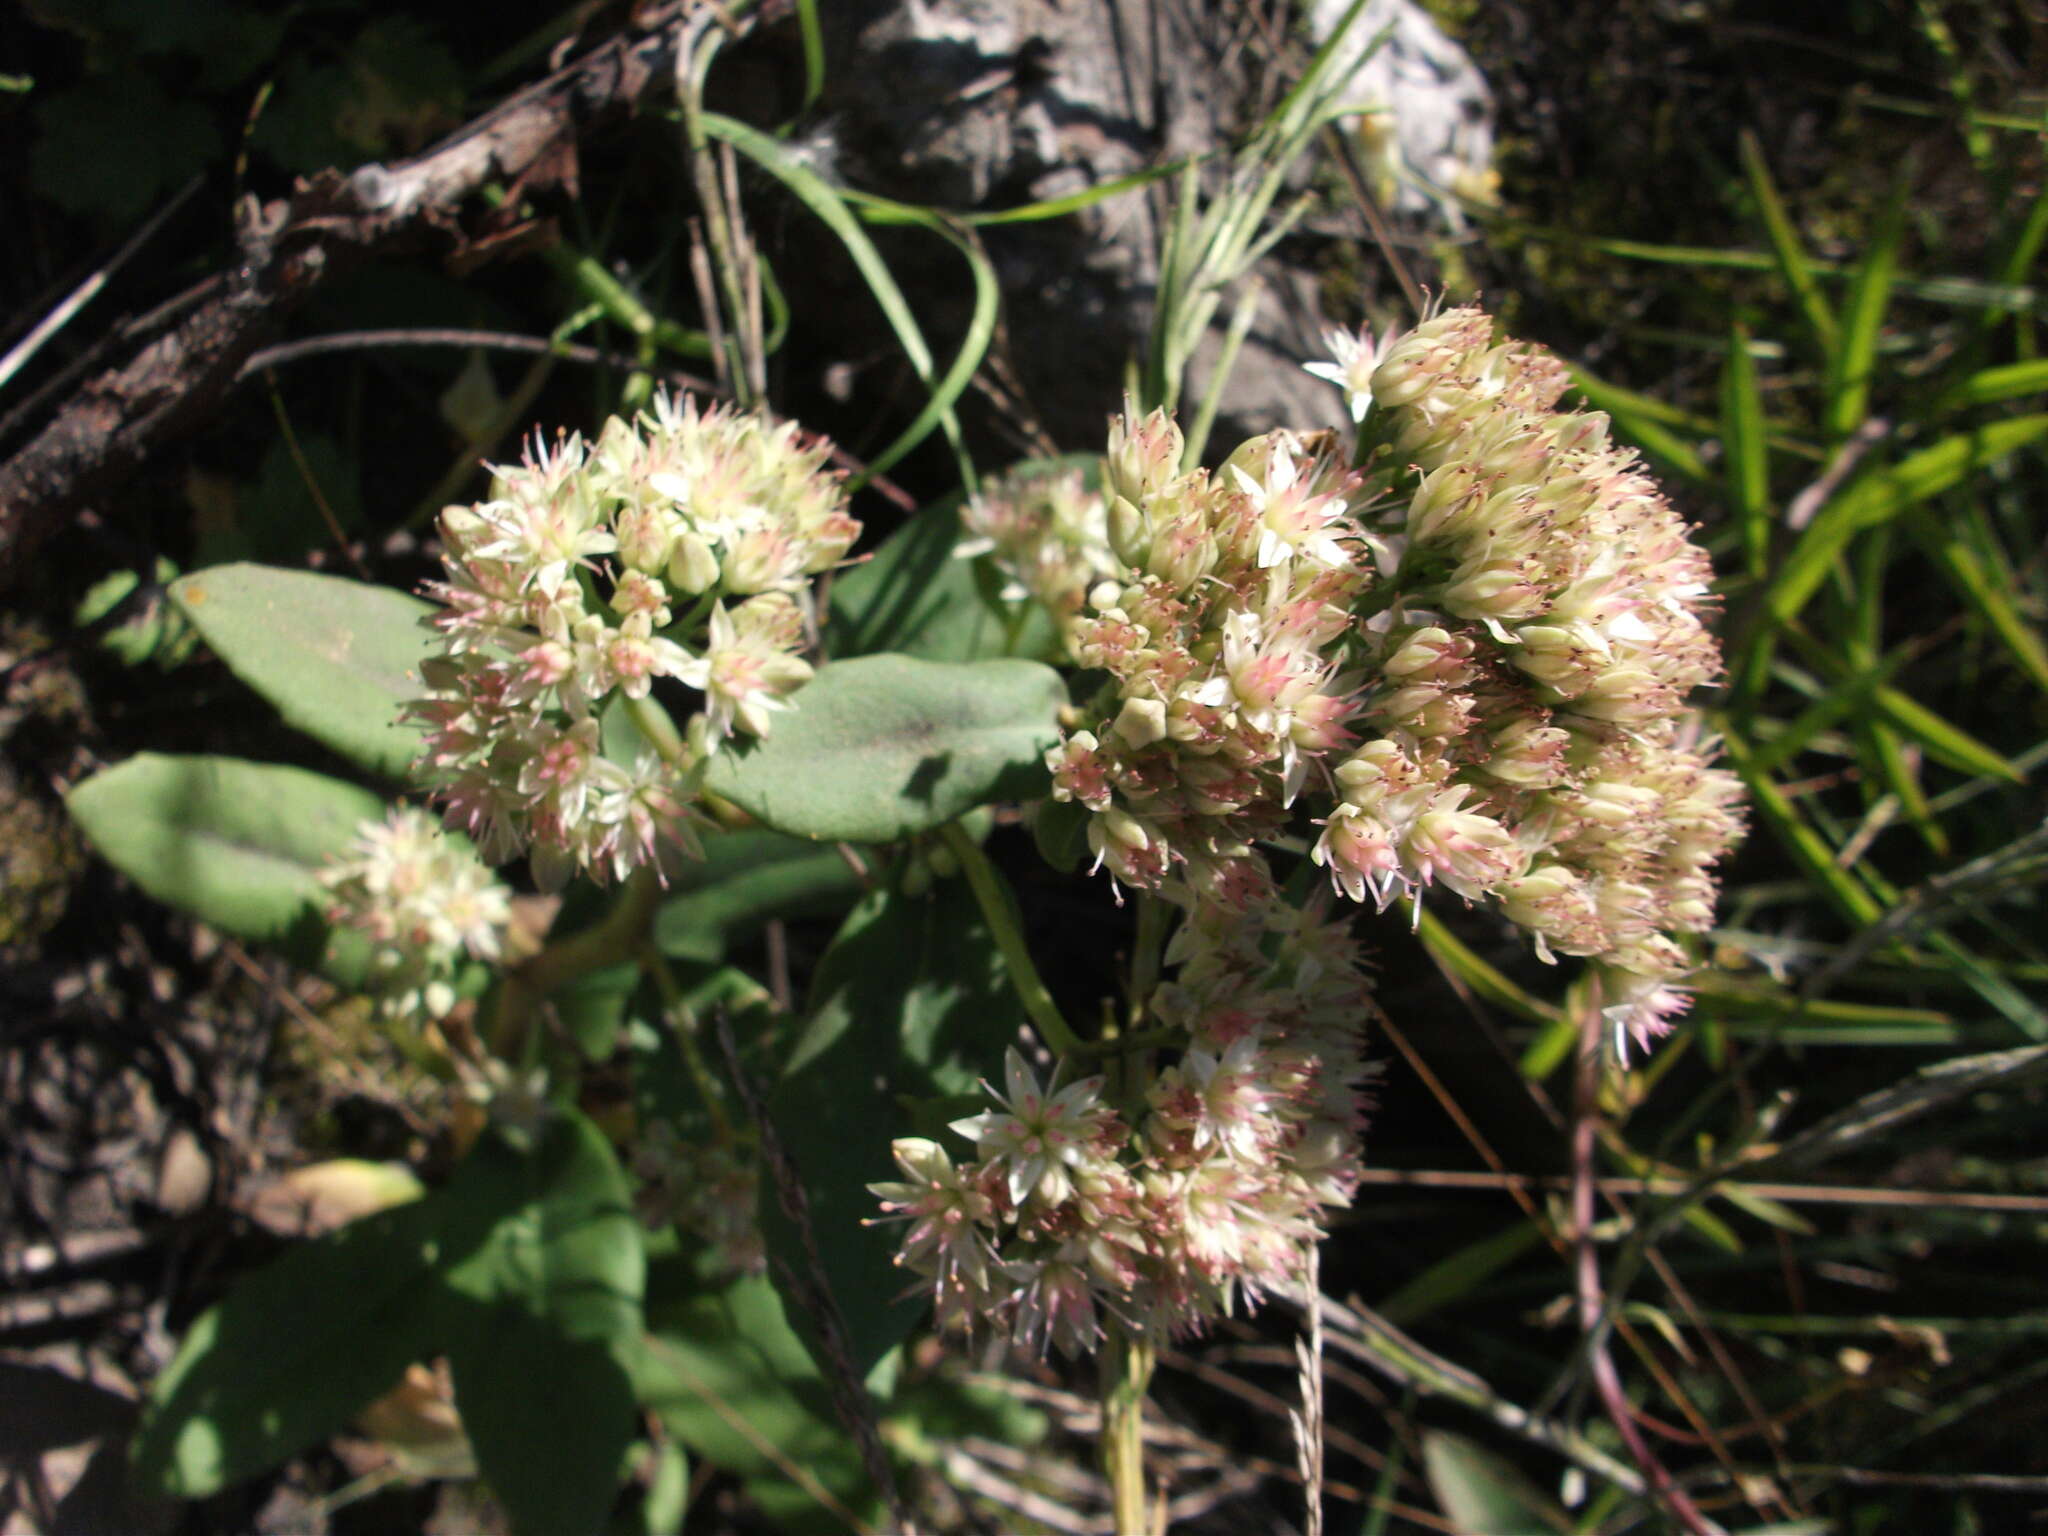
918	596
881	747
745	878
731	1379
548	1291
910	1002
337	658
237	844
293	1353
525	1267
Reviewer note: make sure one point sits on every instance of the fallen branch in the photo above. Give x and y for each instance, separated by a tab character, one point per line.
115	422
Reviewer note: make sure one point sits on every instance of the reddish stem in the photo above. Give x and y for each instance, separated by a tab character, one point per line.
1592	1300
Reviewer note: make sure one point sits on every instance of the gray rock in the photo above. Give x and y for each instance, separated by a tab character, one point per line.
995	103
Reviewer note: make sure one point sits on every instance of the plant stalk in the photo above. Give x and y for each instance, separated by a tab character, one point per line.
1127	1364
1002	922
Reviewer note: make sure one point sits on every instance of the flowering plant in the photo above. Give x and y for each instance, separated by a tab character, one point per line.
1443	658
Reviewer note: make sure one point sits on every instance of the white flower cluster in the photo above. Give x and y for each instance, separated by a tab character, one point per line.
1462	645
709	1189
1479	646
678	545
1049	534
1161	1214
424	901
1528	733
1223	642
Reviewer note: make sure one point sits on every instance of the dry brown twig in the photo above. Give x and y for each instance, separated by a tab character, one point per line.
289	248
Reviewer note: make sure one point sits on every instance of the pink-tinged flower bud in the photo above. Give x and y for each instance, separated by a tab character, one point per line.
1144	456
1217	786
1182	551
692	564
1141	721
1503	591
1415	363
1638	985
1688	902
827	540
1135	855
1079	771
1321	721
1527	752
1130	532
1359	851
1437	511
1429	655
640	593
1552	901
1613	803
1375	771
646	535
1565	658
763	559
461	529
1430	712
636	657
1625	696
1466	851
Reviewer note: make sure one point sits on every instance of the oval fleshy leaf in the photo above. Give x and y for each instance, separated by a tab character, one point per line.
881	747
337	658
237	844
911	1000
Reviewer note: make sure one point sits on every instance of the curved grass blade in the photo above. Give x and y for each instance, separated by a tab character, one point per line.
1029	213
1746	458
822	199
1874	499
813	35
1808	849
1787	247
1850	365
981	327
1991	385
1989	598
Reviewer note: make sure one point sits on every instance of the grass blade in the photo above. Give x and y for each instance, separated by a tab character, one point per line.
1450	953
1452	1279
1849	366
1876	498
822	199
1991	385
2019	261
1990	599
1807	847
1995	298
981	328
814	51
1746	459
1789	250
1945	743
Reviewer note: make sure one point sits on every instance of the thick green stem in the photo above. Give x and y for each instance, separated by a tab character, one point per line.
1126	1376
653	722
617	937
1147	954
1001	918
